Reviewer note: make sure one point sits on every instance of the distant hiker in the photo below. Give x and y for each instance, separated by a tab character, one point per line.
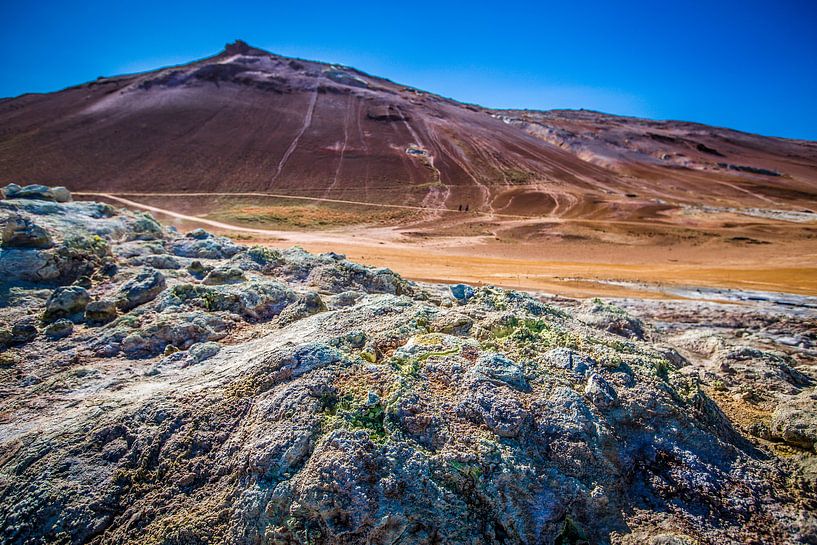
460	208
466	208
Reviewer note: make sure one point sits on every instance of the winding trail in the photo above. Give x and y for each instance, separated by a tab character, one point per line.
113	196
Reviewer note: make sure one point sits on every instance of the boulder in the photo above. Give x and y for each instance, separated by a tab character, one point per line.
37	192
795	421
65	302
19	232
144	287
200	244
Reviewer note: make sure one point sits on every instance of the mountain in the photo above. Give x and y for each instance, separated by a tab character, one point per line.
248	120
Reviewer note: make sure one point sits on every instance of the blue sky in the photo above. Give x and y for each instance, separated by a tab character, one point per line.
748	65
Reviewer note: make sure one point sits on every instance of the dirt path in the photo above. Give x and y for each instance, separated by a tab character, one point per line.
285	196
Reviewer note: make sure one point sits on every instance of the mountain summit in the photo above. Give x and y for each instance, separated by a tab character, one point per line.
249	120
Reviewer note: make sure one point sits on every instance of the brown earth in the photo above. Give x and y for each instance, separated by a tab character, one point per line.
573	258
247	120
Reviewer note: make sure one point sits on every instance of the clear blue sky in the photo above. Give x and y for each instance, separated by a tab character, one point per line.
748	64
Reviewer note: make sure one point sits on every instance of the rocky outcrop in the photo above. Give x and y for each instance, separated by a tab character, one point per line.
39	192
300	398
19	232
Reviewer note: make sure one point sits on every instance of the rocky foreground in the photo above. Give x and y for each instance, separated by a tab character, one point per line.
171	388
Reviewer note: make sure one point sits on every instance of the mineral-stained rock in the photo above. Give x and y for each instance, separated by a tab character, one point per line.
338	276
498	367
39	192
200	244
570	359
18	232
59	329
223	275
144	287
23	331
160	261
101	311
599	391
496	406
795	421
66	301
144	227
462	292
181	331
611	318
255	301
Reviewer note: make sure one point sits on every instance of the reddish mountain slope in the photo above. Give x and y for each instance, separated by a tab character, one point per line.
248	120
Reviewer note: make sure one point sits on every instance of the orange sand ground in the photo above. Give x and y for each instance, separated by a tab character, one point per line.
693	253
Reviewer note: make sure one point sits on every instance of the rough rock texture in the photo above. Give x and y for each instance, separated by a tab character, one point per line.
19	232
320	401
66	301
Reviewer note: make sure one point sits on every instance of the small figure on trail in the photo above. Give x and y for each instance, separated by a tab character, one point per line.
466	207
460	208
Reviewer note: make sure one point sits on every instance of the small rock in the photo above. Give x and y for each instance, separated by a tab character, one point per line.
200	244
145	227
84	282
66	301
20	232
566	358
197	269
203	351
101	311
498	367
157	261
224	275
23	331
599	391
345	299
5	338
198	234
59	329
462	292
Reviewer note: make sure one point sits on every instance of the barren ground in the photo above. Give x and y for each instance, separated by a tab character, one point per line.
652	256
